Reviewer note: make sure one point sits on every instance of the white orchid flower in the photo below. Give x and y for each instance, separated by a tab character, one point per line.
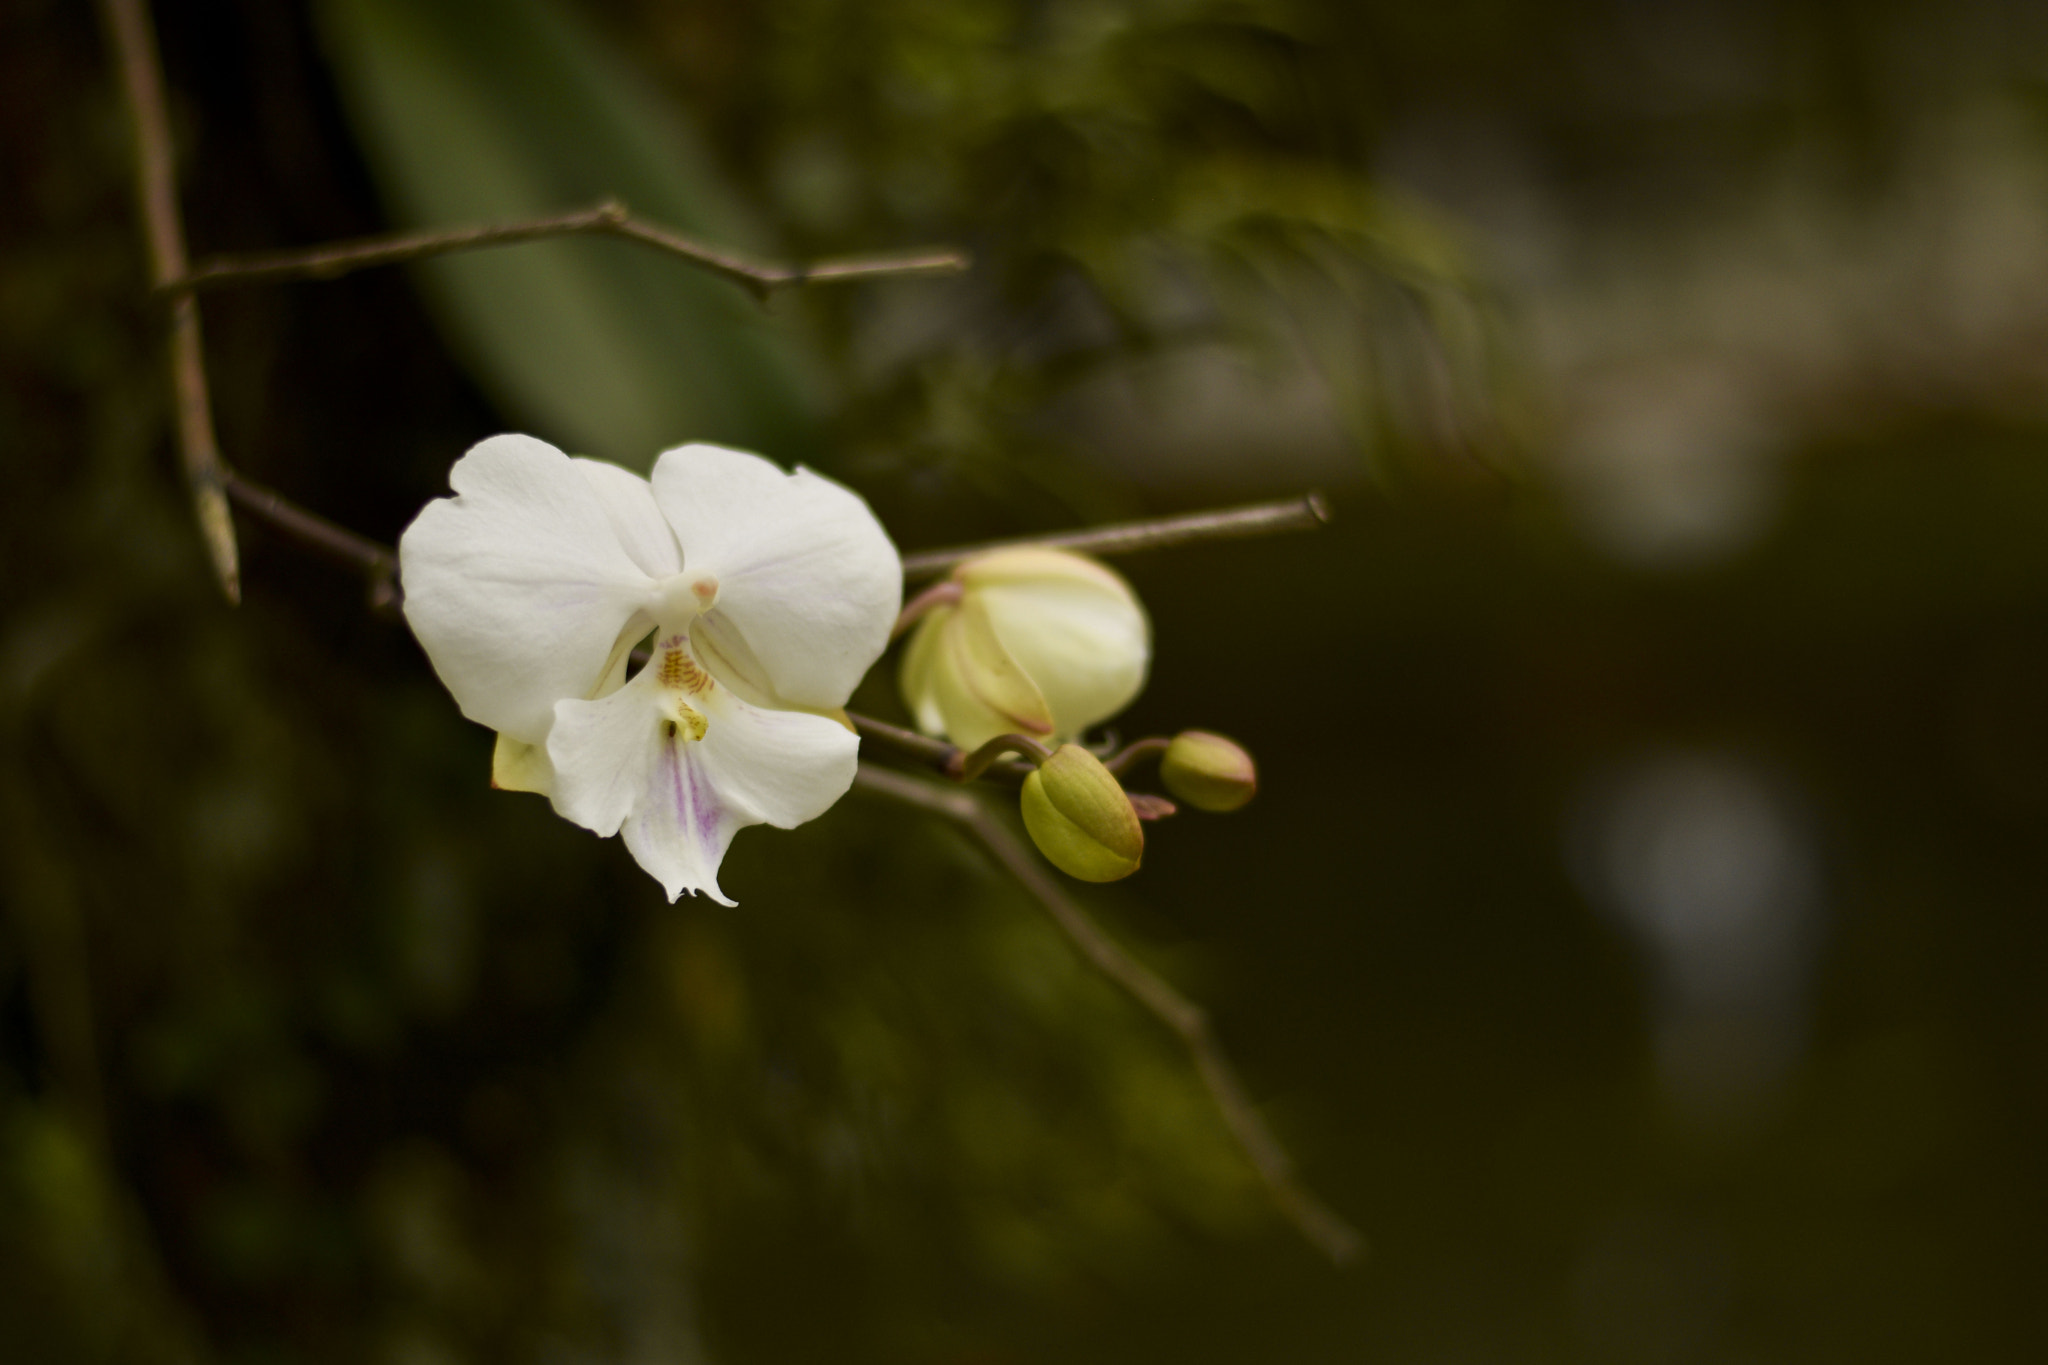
1029	640
765	596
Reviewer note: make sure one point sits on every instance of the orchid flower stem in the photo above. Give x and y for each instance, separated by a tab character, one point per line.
607	218
965	767
1135	752
939	594
1305	513
1320	1226
936	754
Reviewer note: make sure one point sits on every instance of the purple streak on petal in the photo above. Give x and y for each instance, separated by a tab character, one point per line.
706	812
676	768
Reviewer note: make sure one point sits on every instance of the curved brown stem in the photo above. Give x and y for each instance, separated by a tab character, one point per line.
937	595
934	754
1316	1222
1128	757
965	767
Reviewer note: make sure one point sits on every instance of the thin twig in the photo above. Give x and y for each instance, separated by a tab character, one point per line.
142	80
936	754
922	750
379	562
1304	513
610	218
1326	1231
970	766
1137	750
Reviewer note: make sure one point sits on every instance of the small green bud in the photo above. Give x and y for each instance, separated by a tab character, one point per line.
1080	818
1208	771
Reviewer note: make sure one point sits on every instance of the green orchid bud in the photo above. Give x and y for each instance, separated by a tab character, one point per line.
1036	642
1080	818
1208	771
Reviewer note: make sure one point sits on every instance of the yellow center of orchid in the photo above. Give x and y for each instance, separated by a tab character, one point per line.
680	674
675	602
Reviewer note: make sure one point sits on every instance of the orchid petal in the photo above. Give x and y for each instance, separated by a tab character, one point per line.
518	586
806	576
678	792
919	673
992	673
517	766
602	752
635	517
780	768
1085	642
716	641
975	687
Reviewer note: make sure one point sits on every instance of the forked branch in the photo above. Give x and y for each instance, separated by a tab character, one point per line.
608	218
1324	1229
379	562
142	83
133	40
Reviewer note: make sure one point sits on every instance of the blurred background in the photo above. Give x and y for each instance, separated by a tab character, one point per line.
1640	930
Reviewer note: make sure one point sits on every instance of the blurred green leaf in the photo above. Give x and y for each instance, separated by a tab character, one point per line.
484	110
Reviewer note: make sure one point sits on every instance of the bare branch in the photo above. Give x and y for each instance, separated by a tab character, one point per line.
1304	513
607	219
1323	1229
378	561
142	80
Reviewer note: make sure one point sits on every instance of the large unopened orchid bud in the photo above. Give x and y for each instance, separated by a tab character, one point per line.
1208	771
1029	641
1077	813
